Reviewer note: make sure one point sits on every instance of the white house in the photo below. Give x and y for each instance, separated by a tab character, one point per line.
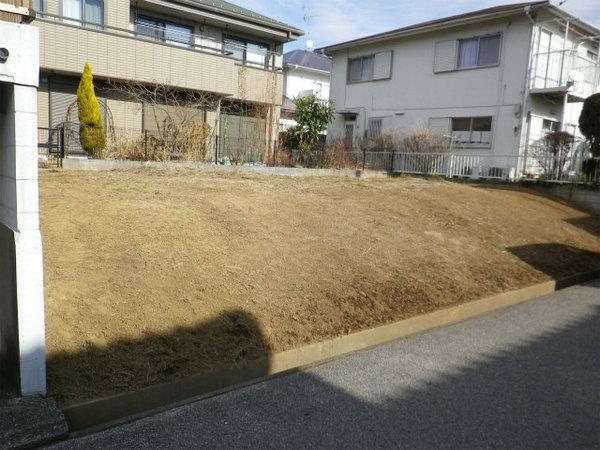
495	78
304	73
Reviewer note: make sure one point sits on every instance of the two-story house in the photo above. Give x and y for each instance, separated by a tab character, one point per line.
209	46
304	73
493	79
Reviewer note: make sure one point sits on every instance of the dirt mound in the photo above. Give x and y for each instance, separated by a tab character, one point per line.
154	275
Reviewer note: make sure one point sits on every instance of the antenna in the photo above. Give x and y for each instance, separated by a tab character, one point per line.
308	18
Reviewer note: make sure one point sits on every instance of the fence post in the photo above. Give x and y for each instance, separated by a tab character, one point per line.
392	162
61	145
145	145
364	158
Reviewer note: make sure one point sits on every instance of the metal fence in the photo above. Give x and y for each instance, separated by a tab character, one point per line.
63	141
574	166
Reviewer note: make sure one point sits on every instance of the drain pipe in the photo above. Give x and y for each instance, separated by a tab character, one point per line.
564	79
525	116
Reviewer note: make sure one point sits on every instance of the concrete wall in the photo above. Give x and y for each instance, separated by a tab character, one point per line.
415	93
22	334
586	199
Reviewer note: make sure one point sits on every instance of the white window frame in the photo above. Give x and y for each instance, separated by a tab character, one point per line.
83	22
361	59
479	37
373	75
471	143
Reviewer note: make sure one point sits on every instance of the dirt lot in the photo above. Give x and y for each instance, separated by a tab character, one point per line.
154	275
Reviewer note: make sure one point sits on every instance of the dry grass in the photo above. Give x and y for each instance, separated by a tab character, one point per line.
155	275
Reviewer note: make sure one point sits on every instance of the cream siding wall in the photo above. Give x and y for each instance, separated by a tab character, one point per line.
43	101
66	49
125	114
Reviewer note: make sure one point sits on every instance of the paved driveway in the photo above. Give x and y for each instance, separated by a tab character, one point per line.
528	376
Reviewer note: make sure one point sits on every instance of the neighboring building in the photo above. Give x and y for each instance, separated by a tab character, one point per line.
304	73
210	46
496	79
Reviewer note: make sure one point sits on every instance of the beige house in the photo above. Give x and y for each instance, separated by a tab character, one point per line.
209	46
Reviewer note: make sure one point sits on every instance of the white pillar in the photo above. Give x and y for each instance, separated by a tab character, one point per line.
22	334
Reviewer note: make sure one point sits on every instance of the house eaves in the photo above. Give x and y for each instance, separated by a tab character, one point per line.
222	10
306	69
438	24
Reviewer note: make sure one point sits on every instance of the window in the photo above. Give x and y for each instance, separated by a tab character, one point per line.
349	134
550	126
89	13
479	51
370	67
250	53
361	69
38	7
375	125
159	30
472	130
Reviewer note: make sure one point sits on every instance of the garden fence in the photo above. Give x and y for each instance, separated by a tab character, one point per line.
572	167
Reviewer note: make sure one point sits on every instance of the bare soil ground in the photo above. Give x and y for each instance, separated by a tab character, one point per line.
156	275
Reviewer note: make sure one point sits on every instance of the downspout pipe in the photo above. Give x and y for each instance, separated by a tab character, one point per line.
525	116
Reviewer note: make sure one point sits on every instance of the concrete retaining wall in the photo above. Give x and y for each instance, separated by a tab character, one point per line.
583	198
99	165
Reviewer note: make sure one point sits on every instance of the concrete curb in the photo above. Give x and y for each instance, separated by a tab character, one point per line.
103	165
109	411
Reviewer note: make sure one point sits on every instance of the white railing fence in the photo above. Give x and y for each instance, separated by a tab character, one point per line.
565	69
559	168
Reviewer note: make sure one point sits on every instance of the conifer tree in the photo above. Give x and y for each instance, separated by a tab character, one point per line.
91	131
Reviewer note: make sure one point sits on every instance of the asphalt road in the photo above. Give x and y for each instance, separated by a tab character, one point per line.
528	376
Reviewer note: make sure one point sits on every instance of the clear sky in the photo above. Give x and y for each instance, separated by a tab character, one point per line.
331	21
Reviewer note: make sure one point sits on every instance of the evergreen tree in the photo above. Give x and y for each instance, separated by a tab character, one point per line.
91	131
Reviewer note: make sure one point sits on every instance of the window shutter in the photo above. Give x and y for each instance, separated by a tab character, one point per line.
383	66
445	56
439	124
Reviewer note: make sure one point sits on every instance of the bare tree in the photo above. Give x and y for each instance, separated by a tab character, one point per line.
552	153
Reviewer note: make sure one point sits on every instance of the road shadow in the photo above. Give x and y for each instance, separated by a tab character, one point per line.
541	393
232	339
557	260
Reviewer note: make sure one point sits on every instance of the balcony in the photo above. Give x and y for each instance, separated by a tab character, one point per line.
557	73
164	56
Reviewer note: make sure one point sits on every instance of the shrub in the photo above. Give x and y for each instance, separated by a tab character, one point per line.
589	123
591	169
313	116
424	140
91	131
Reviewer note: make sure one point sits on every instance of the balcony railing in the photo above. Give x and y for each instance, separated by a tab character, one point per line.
194	42
566	70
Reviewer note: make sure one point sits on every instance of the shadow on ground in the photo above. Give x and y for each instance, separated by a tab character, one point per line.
557	260
542	393
231	339
590	223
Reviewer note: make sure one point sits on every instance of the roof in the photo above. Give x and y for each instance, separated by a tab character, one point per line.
305	58
424	26
288	104
235	10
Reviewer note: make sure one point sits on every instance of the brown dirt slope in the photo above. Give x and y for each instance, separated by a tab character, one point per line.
154	275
